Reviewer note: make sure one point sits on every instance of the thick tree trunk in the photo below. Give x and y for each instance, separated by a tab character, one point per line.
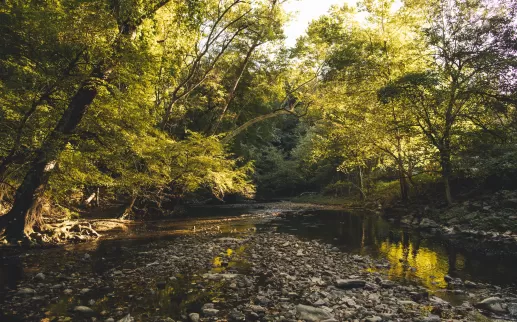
33	185
37	177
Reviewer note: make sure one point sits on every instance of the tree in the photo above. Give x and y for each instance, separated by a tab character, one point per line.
470	63
126	20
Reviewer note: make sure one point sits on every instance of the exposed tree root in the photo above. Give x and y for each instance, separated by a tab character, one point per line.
67	231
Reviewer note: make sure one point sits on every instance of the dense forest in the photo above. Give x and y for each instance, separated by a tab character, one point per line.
197	161
147	105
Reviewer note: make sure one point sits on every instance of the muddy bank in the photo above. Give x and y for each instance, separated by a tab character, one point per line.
237	273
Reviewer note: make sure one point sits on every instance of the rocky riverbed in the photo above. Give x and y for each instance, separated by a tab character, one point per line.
241	274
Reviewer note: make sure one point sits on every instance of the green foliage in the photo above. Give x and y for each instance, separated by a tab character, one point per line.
193	96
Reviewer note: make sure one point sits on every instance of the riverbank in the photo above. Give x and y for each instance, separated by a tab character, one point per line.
228	270
487	222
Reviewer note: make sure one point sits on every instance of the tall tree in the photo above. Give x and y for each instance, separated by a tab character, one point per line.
126	19
470	62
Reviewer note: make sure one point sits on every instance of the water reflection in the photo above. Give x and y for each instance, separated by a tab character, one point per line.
413	257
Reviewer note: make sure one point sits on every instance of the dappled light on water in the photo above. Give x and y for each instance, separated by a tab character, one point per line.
410	262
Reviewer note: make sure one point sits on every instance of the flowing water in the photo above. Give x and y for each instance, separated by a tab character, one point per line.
413	257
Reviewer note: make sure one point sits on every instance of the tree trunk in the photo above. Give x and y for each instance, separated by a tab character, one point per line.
16	221
361	183
89	199
98	197
37	177
249	123
128	211
445	160
213	127
404	186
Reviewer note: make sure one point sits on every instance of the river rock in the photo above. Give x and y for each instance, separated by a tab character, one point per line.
236	316
209	309
432	318
26	291
311	313
512	308
40	276
350	283
127	318
428	223
84	310
373	319
193	317
470	284
492	304
257	309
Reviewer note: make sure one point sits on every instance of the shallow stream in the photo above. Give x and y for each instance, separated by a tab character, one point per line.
414	257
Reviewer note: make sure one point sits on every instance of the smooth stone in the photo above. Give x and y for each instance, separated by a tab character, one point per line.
193	317
26	291
470	284
40	276
83	310
373	319
311	313
257	309
492	304
210	312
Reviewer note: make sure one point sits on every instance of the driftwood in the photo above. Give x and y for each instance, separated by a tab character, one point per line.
66	231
